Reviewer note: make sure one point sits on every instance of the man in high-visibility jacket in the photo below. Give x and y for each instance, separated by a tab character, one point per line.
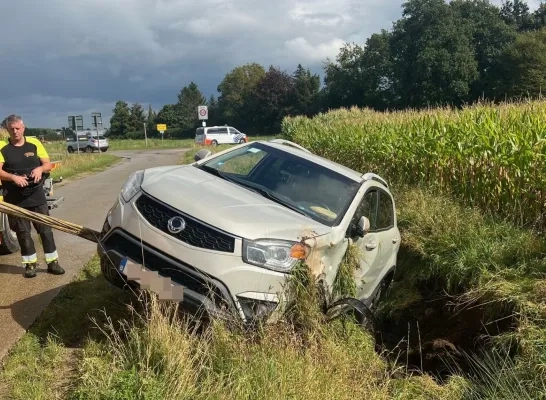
23	161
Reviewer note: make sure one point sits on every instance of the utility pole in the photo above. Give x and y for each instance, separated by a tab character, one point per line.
145	135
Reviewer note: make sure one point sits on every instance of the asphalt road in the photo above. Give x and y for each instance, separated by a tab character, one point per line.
86	202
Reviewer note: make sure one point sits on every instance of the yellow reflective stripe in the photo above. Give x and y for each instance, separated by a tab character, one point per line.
51	256
30	259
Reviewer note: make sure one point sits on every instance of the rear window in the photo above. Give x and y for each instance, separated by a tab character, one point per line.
199	131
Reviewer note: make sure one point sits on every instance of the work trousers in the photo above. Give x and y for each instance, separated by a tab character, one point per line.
22	227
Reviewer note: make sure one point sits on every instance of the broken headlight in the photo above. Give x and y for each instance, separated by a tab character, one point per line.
276	255
132	186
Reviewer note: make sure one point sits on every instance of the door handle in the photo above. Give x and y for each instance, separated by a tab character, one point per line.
371	246
395	240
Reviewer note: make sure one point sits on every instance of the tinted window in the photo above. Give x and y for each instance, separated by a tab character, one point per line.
316	191
212	131
367	208
222	131
386	212
199	131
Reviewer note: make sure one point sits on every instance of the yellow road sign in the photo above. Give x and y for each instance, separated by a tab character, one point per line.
161	127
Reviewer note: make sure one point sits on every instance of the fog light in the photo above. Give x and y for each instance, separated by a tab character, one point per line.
253	308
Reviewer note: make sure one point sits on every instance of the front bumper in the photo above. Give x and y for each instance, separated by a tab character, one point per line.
219	284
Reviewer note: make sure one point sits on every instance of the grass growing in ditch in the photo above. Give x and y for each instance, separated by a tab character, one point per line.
468	284
73	166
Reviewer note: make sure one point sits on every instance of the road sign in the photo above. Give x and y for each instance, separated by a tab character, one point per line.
96	117
75	122
203	112
161	127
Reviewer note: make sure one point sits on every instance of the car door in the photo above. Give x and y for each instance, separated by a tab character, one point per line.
388	234
368	246
223	136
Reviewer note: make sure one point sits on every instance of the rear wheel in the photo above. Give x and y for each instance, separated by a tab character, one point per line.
9	243
70	149
103	150
214	143
89	149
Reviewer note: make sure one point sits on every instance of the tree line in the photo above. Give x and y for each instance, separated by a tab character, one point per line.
436	54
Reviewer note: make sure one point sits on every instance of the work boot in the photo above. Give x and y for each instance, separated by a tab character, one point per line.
30	270
54	268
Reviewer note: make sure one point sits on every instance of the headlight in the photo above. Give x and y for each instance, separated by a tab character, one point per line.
275	255
132	186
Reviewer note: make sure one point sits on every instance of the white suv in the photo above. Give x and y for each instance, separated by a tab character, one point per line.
214	135
230	227
87	141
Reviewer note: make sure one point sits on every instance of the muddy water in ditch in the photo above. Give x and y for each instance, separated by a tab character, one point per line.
434	336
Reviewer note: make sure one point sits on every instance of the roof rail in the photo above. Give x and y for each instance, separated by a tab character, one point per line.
375	177
289	143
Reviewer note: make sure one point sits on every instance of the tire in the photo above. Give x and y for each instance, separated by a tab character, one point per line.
214	143
9	243
103	150
241	141
70	149
89	149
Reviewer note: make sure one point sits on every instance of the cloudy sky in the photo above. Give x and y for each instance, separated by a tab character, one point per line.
65	57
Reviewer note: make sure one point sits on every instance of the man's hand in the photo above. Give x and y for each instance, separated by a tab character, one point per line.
20	181
37	174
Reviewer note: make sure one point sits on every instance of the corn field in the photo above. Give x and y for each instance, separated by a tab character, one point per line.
490	157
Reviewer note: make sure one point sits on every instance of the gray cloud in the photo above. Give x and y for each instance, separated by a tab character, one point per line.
78	56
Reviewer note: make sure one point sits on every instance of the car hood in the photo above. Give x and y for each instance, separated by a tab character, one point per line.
226	205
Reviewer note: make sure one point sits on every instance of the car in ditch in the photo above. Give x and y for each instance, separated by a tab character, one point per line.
230	227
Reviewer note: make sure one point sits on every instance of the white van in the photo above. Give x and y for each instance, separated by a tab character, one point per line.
213	135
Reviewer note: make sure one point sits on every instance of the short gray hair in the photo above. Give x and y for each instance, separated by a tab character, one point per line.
11	119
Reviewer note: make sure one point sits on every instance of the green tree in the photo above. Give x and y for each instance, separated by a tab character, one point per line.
120	122
189	98
138	118
306	90
490	36
214	117
433	56
521	69
167	115
235	90
150	121
516	14
362	76
270	101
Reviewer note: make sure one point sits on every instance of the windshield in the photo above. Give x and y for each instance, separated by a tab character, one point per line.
316	191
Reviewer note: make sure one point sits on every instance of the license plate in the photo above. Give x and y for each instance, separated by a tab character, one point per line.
151	280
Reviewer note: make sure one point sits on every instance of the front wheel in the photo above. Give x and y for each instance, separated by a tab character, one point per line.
9	243
70	149
103	150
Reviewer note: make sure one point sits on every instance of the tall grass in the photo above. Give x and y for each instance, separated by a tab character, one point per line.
488	156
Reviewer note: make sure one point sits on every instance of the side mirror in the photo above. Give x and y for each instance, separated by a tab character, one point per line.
201	154
362	227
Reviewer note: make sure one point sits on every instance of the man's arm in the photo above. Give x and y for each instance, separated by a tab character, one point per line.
5	176
44	157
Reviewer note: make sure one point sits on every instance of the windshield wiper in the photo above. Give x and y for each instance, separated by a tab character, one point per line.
215	172
266	193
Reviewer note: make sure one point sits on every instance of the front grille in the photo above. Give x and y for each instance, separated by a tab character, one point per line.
196	233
